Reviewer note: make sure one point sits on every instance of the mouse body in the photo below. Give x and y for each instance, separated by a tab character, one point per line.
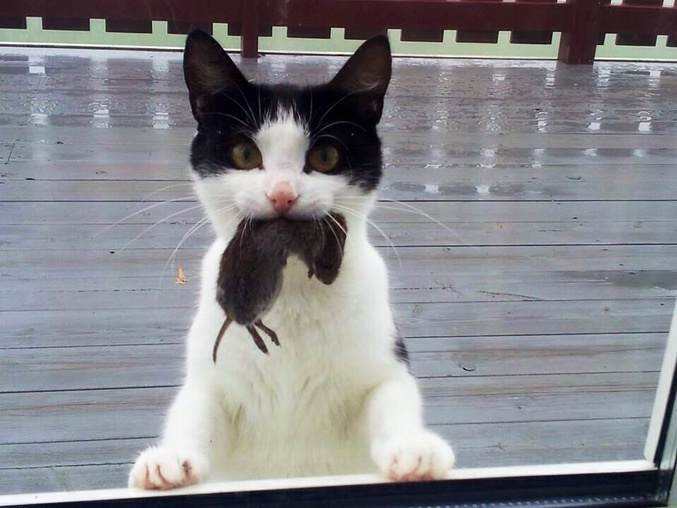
250	274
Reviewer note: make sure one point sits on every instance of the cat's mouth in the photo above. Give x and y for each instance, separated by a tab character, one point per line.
293	216
293	210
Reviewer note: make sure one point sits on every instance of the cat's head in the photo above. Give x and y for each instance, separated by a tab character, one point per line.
265	151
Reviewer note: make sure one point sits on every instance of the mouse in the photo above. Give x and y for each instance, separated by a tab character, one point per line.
250	273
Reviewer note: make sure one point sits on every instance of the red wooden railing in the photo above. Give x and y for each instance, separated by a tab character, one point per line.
582	23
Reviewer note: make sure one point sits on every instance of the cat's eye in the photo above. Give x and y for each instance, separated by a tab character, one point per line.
245	155
323	158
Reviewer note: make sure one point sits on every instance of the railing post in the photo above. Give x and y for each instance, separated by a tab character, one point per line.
672	43
579	43
249	38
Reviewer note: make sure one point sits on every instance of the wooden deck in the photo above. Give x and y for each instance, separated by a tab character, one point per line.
536	314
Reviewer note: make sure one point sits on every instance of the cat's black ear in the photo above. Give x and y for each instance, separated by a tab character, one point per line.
207	69
366	75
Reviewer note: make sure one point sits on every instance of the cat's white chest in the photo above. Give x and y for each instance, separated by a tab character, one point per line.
291	415
318	369
291	396
303	400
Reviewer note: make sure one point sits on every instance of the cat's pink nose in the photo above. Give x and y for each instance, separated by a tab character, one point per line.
282	196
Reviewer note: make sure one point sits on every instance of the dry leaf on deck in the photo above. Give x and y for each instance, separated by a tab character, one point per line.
180	276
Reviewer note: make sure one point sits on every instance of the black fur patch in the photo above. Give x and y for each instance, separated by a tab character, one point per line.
237	113
343	112
400	349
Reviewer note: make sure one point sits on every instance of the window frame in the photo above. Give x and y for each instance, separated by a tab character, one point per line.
632	487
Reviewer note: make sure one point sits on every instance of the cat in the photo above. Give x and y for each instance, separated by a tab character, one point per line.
337	397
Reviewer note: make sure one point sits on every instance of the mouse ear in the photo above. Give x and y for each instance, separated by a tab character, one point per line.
207	69
366	75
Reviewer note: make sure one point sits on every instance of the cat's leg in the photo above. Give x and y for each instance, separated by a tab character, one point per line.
400	445
182	457
196	424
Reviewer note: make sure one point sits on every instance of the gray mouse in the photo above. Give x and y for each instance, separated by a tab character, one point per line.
250	275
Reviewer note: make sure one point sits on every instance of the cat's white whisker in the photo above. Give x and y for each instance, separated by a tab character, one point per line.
188	234
173	186
373	224
338	224
244	98
310	114
329	136
339	101
233	117
138	212
409	208
169	262
237	103
413	209
259	101
245	224
152	226
340	122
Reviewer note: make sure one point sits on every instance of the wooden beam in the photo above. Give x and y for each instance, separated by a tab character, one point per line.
250	28
482	15
579	42
531	37
639	20
214	11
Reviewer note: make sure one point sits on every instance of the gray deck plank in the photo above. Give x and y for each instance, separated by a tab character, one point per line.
133	213
132	325
501	232
92	367
449	170
578	184
536	326
64	479
510	444
414	260
105	464
417	151
447	288
55	416
180	135
550	283
556	284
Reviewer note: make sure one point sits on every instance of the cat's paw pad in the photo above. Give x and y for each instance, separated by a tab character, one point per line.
422	456
161	468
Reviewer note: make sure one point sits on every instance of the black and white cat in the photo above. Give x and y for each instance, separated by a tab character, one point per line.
336	397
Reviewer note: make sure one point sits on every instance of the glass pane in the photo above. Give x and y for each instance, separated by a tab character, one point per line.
526	215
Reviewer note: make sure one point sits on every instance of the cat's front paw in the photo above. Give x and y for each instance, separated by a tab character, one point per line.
420	456
162	468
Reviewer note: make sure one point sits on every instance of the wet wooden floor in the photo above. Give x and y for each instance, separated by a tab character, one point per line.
536	313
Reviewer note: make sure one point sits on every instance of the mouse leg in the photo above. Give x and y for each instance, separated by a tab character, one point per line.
257	338
224	327
270	333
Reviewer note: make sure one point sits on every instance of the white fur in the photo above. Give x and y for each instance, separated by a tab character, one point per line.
332	398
